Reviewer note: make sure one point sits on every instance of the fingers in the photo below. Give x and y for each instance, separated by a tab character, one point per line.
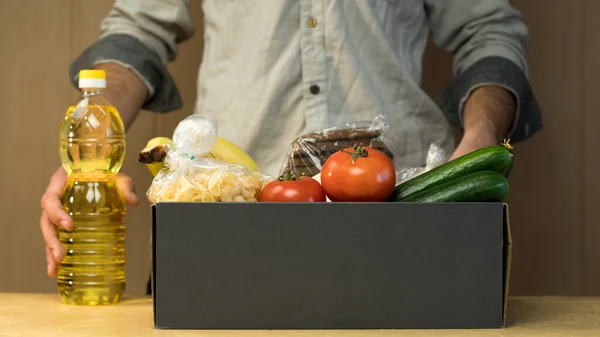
51	201
54	249
55	213
127	187
51	268
51	237
455	155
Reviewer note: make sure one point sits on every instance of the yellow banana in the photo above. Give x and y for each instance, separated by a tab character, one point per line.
227	151
155	160
154	154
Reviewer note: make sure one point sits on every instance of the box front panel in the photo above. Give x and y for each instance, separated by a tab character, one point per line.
326	266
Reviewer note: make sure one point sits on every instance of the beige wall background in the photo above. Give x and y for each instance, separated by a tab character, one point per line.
555	187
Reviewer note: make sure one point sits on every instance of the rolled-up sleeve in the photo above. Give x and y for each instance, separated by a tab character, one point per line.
143	36
487	39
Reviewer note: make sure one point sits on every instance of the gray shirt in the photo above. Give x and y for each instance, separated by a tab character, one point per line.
275	69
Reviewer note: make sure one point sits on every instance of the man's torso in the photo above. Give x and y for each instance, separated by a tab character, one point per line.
275	69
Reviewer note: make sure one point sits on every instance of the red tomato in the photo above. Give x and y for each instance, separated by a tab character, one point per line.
291	188
358	174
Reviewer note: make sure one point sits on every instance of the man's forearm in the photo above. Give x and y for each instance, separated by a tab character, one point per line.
491	110
125	90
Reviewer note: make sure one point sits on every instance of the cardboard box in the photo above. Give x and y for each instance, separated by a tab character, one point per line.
330	265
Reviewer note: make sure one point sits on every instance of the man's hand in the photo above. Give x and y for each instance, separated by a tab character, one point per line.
488	116
54	215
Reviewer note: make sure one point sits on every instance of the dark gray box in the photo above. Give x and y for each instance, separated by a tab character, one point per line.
330	265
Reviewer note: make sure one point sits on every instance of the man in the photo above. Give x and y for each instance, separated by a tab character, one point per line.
275	69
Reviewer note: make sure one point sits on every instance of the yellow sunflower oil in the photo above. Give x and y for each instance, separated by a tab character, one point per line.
92	149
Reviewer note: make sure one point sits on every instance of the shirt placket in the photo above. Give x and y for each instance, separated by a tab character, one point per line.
312	49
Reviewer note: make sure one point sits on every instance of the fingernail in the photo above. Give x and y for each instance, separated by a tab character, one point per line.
55	253
63	223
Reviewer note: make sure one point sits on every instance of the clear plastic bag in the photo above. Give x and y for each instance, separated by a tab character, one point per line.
436	156
310	151
190	177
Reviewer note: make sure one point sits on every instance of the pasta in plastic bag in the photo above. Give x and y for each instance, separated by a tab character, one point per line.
205	180
190	177
310	151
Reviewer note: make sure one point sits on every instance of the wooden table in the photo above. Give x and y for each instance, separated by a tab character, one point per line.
45	315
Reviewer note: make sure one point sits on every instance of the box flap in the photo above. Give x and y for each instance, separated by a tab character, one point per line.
507	260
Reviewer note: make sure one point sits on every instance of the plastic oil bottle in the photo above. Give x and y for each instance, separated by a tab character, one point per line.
92	148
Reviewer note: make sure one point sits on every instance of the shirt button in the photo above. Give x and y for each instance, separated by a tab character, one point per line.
312	23
314	89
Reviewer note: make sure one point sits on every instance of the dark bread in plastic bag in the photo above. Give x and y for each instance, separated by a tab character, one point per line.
311	150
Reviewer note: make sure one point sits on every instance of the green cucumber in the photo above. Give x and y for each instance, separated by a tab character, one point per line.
496	158
475	187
